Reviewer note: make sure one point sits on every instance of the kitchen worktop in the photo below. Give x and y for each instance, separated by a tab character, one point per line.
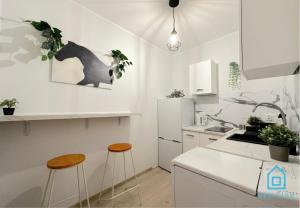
201	129
255	151
223	167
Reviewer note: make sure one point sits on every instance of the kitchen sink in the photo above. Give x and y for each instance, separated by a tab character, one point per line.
250	138
220	129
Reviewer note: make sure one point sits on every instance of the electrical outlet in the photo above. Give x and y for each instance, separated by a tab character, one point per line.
270	117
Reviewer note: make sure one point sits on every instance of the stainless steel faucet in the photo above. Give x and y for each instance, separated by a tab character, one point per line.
271	105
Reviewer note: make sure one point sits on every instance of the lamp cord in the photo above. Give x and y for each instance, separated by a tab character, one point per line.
173	18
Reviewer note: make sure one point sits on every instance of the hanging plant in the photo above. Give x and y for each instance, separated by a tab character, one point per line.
53	37
119	64
234	81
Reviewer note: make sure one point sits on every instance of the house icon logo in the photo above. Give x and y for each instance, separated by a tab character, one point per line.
276	178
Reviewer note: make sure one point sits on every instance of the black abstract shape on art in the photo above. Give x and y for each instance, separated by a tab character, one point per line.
94	70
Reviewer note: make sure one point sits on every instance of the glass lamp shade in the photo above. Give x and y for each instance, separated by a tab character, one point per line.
174	43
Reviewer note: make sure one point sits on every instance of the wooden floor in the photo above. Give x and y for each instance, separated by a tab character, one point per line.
155	191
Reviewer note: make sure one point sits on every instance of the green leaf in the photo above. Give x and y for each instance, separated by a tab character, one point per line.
119	75
56	30
47	33
44	57
56	33
50	55
42	25
46	45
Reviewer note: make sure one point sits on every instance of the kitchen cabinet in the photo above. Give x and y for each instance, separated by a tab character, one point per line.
269	32
190	140
206	139
194	190
208	178
196	139
203	78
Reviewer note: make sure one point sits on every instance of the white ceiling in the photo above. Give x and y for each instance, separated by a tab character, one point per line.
197	21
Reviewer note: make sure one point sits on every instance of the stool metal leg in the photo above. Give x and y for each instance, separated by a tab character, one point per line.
51	189
113	181
86	189
124	168
46	188
107	156
78	183
136	179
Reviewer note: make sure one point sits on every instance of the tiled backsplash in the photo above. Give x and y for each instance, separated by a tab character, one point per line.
235	108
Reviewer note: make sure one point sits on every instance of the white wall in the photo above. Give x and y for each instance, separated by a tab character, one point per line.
223	51
23	76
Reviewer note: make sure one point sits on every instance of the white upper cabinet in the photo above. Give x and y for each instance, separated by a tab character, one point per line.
203	78
269	37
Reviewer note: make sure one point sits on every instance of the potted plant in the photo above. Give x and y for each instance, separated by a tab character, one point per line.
279	138
254	121
8	106
176	94
254	124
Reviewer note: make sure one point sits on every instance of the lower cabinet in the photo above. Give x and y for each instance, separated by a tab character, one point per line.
190	140
193	190
195	139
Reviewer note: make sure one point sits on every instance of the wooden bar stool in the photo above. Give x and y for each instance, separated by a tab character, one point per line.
61	163
119	148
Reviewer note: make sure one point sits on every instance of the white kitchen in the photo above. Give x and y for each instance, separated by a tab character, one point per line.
150	103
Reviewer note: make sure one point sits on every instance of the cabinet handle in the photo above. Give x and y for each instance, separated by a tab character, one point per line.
199	90
190	135
212	139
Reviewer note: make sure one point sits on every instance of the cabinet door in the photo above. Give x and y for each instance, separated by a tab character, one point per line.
206	139
169	119
203	78
190	140
167	151
269	37
193	190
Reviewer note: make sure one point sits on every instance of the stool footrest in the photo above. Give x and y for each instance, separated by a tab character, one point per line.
127	190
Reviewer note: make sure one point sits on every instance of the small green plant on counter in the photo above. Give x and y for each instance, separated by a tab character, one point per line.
176	94
53	37
9	103
119	64
279	135
234	80
254	121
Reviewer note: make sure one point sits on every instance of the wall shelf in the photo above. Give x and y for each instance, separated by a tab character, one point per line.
60	116
27	118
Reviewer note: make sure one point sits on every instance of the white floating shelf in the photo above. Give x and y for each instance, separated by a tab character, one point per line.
60	116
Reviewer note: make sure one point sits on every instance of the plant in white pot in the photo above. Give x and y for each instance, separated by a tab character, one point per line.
279	138
8	106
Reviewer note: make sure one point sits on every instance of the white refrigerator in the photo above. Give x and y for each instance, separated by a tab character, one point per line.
173	114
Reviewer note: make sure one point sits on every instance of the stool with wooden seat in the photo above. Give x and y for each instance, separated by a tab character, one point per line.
119	148
61	163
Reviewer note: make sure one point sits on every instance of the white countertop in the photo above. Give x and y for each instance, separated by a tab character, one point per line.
239	172
201	129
